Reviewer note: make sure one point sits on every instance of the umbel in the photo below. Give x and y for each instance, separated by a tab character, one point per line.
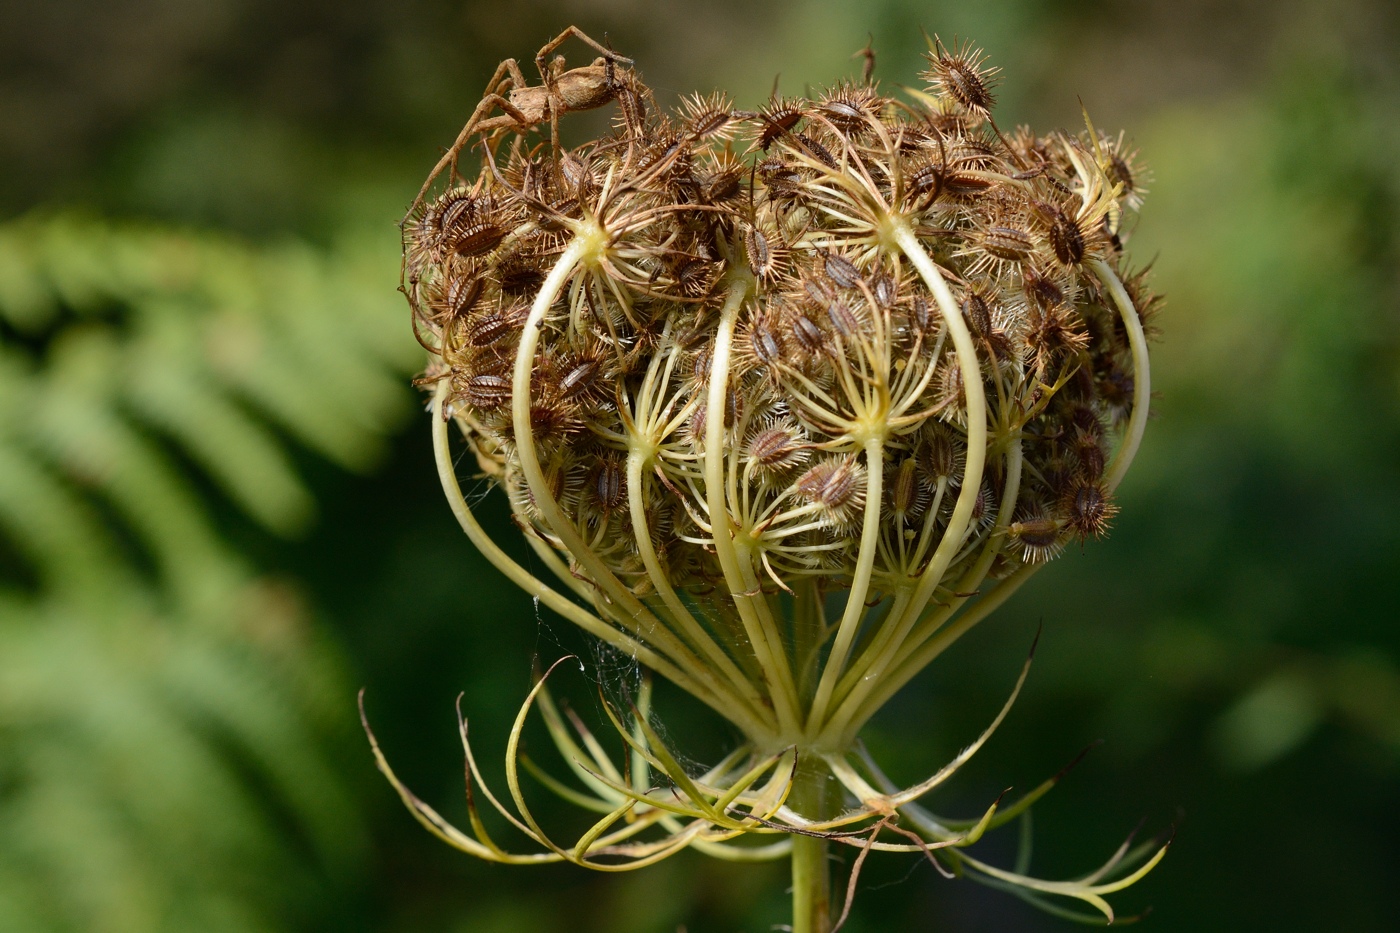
784	401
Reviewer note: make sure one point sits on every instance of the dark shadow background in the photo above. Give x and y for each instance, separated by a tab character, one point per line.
1234	644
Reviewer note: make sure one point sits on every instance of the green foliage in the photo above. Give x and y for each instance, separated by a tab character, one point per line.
165	712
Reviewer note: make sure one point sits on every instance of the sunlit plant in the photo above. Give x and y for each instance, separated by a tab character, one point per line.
786	401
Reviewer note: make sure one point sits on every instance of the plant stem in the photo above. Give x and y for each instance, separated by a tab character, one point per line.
811	877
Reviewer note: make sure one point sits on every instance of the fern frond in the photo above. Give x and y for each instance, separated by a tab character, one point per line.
166	765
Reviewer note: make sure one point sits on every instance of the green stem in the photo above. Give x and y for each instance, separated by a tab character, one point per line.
1142	374
811	876
736	565
976	397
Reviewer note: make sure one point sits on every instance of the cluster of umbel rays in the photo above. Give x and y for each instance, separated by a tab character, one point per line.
787	400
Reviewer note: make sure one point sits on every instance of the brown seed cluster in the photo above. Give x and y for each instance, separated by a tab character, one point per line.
759	251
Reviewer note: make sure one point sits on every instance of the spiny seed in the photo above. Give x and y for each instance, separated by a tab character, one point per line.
575	171
963	185
832	484
1090	510
487	329
475	239
564	207
578	379
1038	537
817	151
693	277
557	484
1091	461
937	456
841	270
675	154
776	449
820	291
967	86
1066	239
809	335
779	177
705	125
610	484
843	114
1120	173
974	154
1041	289
923	314
760	256
883	288
906	484
487	391
634	112
1116	388
1007	243
979	316
843	318
550	417
462	295
734	406
1039	532
720	187
960	76
455	208
926	180
765	345
777	121
982	505
518	276
1086	422
700	366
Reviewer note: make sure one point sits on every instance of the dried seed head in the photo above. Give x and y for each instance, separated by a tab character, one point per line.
836	338
727	365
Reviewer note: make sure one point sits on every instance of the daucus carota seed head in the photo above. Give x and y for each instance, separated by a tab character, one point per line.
795	295
725	362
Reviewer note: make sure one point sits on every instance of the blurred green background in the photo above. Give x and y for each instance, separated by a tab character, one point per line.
219	518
